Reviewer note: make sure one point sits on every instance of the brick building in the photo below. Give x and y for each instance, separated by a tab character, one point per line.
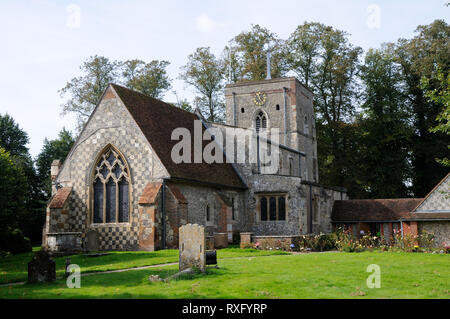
411	216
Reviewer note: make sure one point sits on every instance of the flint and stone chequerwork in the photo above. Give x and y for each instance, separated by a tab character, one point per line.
120	184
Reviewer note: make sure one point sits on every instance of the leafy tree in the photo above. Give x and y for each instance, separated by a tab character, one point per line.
421	57
85	91
12	138
13	190
303	50
440	96
249	59
206	74
384	150
58	148
324	59
148	78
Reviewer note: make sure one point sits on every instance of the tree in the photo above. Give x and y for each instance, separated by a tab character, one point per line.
148	78
440	96
250	54
85	91
325	60
303	50
206	74
58	148
13	190
12	138
421	57
384	150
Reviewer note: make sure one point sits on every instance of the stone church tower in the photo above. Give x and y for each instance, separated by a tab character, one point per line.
282	103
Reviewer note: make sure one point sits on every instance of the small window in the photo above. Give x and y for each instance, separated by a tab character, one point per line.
233	216
242	110
278	107
272	207
208	214
260	122
291	166
306	127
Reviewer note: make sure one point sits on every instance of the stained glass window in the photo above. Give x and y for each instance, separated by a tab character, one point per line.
111	189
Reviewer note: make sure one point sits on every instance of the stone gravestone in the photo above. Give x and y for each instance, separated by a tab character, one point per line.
41	268
192	247
92	241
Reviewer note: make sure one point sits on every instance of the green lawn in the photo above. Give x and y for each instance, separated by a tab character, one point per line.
316	275
14	268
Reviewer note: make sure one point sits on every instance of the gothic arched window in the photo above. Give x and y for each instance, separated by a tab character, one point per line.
260	121
111	189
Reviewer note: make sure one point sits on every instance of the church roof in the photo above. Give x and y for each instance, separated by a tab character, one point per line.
373	210
157	120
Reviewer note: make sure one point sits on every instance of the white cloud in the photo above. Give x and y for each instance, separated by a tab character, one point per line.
206	24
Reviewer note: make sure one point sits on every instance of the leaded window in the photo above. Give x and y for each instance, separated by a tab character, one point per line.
272	207
111	189
260	122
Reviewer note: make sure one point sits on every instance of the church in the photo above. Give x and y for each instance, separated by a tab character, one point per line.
122	188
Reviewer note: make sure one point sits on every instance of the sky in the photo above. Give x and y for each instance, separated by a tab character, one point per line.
43	43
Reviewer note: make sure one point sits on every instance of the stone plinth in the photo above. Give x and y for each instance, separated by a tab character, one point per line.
246	239
221	240
192	247
63	242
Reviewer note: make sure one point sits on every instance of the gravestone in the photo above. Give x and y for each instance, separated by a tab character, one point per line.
92	241
41	268
192	247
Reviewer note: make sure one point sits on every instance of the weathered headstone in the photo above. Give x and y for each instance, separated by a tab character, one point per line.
192	247
92	241
41	268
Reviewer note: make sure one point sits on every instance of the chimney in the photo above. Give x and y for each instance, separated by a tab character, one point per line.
54	171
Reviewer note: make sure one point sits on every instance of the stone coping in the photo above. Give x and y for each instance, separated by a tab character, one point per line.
63	233
277	236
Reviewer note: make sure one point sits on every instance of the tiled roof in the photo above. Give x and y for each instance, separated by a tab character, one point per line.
150	193
59	199
177	193
372	209
427	216
157	120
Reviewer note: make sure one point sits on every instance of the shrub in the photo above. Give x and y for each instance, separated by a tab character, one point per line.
321	242
14	242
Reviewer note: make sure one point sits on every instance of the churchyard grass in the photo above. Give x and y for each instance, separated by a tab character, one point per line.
314	275
14	268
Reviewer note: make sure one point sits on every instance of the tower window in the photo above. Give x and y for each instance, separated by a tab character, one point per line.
260	122
278	107
242	110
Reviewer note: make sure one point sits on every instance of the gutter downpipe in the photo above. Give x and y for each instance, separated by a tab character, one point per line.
163	214
310	210
401	227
